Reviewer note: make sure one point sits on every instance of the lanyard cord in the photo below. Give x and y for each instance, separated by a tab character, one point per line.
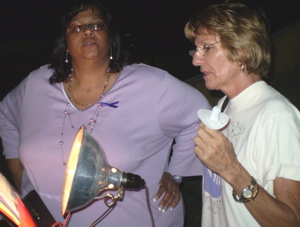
224	104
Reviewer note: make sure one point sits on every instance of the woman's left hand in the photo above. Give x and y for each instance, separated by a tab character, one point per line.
170	188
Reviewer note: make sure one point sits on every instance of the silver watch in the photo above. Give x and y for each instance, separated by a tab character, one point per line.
249	193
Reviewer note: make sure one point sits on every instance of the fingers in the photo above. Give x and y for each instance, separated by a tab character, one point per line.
160	192
176	200
207	137
215	150
206	133
170	191
199	142
170	199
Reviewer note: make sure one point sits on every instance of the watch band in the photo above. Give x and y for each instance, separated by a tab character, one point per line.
177	178
249	193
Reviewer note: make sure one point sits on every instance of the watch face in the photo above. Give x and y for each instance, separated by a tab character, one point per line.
247	193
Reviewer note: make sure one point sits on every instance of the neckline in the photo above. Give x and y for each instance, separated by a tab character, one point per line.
96	102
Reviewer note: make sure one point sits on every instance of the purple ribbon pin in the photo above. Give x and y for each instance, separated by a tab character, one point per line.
113	104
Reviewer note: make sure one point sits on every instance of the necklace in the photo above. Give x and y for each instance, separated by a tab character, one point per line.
89	125
92	121
81	104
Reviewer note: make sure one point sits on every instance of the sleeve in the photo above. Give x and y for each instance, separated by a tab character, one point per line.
177	113
280	141
10	108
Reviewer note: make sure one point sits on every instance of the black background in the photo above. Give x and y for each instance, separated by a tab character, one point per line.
156	27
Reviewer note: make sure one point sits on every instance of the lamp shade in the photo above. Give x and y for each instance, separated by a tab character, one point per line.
88	174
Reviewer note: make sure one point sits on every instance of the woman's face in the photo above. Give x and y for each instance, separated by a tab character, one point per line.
218	72
87	44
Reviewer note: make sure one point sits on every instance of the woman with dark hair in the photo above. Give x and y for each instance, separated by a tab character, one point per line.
118	56
133	110
252	168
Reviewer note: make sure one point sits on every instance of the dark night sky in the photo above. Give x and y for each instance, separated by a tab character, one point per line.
151	19
157	26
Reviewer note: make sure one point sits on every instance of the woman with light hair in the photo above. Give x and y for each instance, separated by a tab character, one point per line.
252	168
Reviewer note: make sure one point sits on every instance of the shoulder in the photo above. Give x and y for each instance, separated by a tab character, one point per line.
276	103
263	98
143	70
37	80
149	74
161	84
32	81
42	72
276	109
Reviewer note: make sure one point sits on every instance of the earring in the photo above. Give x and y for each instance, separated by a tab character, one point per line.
110	54
243	67
67	57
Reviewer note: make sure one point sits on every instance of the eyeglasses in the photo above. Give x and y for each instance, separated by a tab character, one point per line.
204	50
82	27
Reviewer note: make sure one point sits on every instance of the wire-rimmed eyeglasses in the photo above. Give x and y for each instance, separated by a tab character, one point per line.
82	27
203	50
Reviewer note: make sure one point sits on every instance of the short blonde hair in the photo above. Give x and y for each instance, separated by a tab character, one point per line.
243	34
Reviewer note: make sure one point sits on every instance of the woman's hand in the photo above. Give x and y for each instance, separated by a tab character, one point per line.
170	188
216	152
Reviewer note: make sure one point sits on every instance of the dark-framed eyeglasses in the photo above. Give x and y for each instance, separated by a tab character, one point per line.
203	50
81	27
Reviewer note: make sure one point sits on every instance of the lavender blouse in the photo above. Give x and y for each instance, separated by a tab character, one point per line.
144	111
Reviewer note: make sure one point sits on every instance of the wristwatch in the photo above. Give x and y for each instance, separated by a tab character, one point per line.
249	193
177	178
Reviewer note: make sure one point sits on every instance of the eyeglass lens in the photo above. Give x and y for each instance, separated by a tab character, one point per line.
92	27
203	50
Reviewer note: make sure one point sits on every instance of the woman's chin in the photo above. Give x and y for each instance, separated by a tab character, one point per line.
210	86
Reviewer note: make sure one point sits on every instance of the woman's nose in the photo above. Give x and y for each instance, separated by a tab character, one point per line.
88	31
197	58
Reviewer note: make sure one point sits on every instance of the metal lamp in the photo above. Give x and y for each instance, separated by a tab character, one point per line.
88	174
